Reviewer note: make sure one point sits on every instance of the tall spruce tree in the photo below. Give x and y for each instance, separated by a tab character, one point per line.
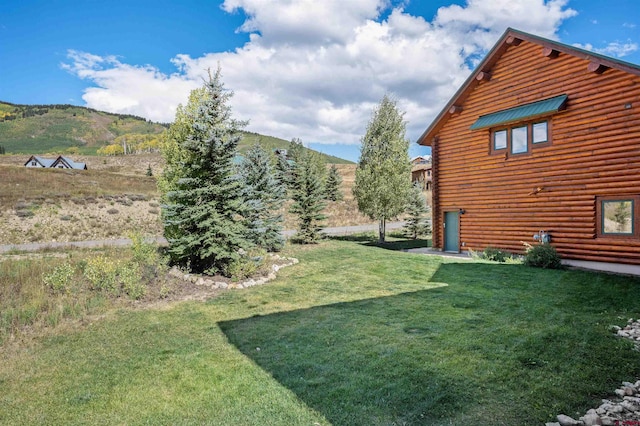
264	194
417	221
308	195
332	186
204	204
383	173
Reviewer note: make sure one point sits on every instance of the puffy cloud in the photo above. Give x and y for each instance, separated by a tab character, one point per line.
128	89
315	70
615	48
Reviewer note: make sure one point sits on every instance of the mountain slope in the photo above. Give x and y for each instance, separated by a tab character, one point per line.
41	129
37	129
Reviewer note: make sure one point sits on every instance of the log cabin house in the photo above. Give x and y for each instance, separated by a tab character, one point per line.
421	171
543	139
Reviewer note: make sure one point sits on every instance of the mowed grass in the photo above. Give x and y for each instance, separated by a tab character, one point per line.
353	335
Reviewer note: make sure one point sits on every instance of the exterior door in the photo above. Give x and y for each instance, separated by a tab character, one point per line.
451	236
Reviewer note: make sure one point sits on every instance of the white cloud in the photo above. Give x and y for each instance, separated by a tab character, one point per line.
128	89
629	25
615	48
315	69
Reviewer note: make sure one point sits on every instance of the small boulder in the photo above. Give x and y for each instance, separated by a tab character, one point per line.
591	419
565	420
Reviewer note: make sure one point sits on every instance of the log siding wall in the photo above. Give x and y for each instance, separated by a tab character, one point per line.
595	152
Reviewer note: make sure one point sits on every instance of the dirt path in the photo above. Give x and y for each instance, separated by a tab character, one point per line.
339	230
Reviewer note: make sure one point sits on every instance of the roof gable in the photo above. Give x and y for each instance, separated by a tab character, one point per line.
44	162
597	63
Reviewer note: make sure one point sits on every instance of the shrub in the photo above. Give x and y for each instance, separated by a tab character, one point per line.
24	213
246	266
59	280
129	276
102	273
494	254
543	256
112	211
143	252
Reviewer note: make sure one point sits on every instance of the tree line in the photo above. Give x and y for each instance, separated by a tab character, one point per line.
220	216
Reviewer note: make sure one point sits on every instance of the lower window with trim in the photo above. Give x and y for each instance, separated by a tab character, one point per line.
617	216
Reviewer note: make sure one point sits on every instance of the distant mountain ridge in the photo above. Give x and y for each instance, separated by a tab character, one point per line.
41	129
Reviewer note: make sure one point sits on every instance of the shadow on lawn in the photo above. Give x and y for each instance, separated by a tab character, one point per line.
496	346
371	240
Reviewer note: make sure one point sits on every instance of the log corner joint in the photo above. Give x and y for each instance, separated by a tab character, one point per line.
513	41
483	76
455	109
597	67
550	53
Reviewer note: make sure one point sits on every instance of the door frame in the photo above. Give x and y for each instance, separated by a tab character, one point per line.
444	230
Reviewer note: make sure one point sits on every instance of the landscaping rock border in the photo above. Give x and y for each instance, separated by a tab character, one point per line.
208	281
624	408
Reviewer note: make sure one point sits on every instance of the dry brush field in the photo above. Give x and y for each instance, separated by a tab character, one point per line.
110	200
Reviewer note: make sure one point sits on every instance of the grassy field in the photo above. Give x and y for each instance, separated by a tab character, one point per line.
111	199
353	335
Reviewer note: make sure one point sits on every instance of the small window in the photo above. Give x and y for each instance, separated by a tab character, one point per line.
499	139
617	217
33	163
540	132
519	140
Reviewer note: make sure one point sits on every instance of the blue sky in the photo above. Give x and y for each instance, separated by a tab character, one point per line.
306	69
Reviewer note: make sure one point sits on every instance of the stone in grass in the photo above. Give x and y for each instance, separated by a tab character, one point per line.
565	420
552	424
591	419
608	421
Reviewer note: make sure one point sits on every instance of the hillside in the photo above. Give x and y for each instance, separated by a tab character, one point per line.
41	129
38	129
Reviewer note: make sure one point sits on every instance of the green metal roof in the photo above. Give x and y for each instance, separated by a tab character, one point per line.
521	112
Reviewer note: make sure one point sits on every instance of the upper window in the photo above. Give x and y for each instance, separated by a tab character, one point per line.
617	216
500	139
540	132
519	139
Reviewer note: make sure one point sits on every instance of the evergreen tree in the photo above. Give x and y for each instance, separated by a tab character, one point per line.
332	186
417	222
283	169
383	173
204	203
308	196
264	194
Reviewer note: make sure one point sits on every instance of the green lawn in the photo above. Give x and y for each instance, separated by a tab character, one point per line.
353	335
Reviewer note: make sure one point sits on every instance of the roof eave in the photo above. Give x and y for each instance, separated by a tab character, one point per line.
494	54
484	65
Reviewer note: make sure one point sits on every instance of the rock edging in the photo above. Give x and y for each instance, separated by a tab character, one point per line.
624	408
205	281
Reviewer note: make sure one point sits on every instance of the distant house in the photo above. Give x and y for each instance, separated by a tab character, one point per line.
543	139
56	163
421	171
35	161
